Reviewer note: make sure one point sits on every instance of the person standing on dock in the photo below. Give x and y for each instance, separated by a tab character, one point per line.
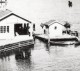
33	27
28	29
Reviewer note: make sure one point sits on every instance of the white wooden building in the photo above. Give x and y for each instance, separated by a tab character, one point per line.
12	25
53	28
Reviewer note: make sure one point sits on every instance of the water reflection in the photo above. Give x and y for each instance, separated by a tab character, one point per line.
16	60
5	55
23	54
23	59
41	57
48	47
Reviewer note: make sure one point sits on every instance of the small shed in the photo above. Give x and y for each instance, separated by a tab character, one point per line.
53	28
12	25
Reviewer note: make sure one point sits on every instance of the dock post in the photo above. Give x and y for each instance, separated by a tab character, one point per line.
33	36
48	38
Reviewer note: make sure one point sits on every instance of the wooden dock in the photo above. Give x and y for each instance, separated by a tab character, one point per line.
58	41
16	45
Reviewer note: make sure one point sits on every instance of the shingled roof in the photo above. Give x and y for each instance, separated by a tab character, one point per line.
6	13
50	22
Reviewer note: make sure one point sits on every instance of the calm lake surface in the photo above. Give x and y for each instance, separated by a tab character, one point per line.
41	57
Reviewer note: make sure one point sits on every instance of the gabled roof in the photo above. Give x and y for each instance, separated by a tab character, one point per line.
49	23
5	14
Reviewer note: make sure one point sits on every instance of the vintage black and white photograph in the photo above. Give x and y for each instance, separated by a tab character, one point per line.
39	35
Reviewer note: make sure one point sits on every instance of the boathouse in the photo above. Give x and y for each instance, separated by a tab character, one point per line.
12	25
54	28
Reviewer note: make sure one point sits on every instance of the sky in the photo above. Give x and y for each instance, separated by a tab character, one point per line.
41	11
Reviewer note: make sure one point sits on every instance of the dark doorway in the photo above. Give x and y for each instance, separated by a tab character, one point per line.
21	30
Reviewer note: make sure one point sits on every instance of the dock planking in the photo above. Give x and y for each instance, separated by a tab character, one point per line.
16	45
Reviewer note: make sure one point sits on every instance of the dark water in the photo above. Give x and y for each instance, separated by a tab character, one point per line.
41	57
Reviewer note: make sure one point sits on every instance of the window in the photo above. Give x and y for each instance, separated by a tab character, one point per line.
4	29
55	27
1	29
8	29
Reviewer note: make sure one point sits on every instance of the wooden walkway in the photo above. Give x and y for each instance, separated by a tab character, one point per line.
16	45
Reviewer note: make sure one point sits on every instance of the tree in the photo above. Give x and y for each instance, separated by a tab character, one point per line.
67	25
